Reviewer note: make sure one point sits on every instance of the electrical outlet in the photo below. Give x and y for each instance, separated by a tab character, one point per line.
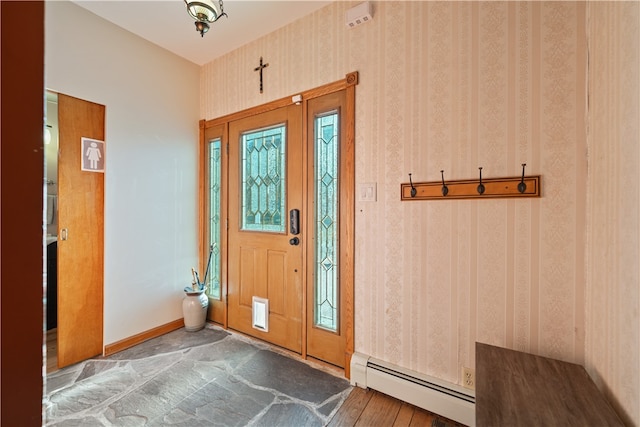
468	378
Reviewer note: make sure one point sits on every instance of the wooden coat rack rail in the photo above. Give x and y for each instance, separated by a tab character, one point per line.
468	189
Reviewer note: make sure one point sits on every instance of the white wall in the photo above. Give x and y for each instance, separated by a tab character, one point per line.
151	98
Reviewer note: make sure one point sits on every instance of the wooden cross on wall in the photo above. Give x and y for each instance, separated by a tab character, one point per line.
260	68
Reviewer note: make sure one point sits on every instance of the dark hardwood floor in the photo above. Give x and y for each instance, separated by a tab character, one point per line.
371	408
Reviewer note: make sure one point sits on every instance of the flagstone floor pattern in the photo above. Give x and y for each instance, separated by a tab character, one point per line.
207	378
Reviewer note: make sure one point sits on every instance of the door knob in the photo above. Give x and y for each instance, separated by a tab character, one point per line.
294	242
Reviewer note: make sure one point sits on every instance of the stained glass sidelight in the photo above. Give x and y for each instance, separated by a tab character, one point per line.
326	221
215	176
263	180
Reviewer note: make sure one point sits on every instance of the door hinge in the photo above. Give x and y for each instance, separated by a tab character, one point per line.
227	148
227	221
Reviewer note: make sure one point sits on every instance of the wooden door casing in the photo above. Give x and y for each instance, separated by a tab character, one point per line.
347	213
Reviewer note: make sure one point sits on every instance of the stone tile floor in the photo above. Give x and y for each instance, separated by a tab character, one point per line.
207	378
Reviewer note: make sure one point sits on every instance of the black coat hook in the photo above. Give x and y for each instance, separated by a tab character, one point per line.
481	185
445	189
414	191
522	187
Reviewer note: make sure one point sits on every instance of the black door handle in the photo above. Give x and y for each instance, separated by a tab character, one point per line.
294	221
294	242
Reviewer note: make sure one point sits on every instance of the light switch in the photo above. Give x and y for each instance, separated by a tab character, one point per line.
367	192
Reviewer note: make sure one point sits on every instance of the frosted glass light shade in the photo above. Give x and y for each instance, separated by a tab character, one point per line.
206	10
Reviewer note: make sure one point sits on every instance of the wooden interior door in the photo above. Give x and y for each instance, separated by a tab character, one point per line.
80	234
266	263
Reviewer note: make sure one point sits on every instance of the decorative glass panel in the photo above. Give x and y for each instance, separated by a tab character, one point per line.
326	221
215	176
263	180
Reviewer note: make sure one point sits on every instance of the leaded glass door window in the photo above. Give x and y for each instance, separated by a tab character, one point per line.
327	221
263	179
214	235
215	214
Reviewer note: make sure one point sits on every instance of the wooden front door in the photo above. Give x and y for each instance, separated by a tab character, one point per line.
265	260
80	233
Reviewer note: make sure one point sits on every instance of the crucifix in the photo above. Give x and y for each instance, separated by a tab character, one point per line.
260	68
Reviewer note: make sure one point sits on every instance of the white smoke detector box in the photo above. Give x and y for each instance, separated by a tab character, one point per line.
359	14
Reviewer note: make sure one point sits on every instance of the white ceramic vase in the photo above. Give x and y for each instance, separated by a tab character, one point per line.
194	310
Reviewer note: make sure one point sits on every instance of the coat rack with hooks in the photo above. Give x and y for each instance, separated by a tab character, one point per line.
481	188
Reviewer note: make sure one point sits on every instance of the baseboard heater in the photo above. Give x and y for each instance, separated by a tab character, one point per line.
440	397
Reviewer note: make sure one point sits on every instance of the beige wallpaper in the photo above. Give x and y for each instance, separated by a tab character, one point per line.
613	251
455	86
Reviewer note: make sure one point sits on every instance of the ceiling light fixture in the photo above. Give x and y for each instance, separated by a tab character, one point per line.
205	12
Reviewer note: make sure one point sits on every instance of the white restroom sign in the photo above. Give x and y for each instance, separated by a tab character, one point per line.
92	152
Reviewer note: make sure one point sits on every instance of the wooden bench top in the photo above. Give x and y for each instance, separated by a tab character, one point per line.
520	389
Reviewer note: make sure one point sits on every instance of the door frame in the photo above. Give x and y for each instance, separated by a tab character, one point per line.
219	127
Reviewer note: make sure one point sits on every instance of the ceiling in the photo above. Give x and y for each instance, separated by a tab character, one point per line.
166	23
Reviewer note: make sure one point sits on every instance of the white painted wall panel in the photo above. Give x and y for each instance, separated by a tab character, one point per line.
151	99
